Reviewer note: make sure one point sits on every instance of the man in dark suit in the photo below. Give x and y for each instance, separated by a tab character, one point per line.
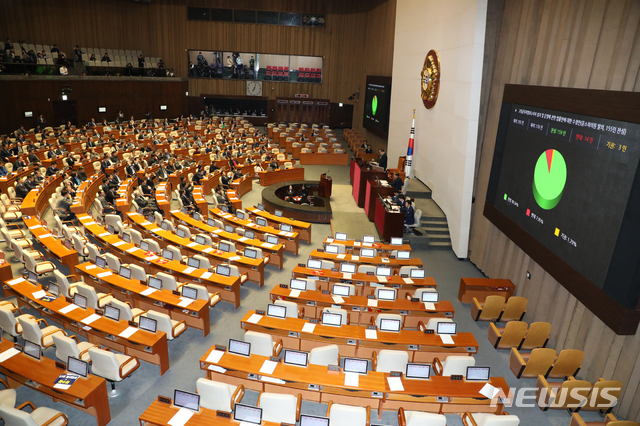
397	182
130	170
409	218
382	161
52	169
19	163
21	189
33	158
104	165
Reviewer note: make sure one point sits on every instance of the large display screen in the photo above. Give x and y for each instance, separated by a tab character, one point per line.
377	102
567	180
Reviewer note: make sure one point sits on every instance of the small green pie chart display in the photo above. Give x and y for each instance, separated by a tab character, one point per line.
374	105
549	179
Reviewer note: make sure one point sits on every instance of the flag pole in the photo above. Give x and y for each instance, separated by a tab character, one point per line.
408	160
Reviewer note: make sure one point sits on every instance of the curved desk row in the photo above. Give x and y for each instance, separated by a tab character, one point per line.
228	287
268	178
302	228
357	245
394	264
317	384
150	347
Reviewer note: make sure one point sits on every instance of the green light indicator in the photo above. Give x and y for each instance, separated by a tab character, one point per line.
374	105
505	197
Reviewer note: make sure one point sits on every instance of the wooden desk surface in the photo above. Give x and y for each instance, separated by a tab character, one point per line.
420	394
53	245
281	175
125	287
160	414
12	178
480	288
394	281
254	267
242	186
363	303
37	201
359	260
272	217
359	244
229	287
157	342
92	390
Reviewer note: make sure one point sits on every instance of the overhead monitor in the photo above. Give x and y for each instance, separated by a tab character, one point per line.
377	102
296	358
239	347
355	365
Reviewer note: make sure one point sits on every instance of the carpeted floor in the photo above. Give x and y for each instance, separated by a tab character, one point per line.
145	385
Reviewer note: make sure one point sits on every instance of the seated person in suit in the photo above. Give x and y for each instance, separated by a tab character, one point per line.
129	170
187	202
82	175
409	216
51	170
397	182
30	183
303	191
304	199
290	194
21	189
64	206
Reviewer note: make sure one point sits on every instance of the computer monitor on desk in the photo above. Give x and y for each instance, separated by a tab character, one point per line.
430	296
368	239
478	374
314	264
306	420
332	319
148	324
416	273
166	254
391	325
341	290
383	271
80	300
101	262
348	268
155	282
247	413
33	350
450	328
296	284
386	293
77	366
239	347
331	248
223	270
418	371
276	311
355	365
188	400
112	312
367	252
341	236
297	358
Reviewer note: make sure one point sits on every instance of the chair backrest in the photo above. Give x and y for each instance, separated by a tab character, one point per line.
572	393
363	269
153	245
601	395
63	283
30	330
513	334
202	292
204	261
342	312
514	309
407	269
389	360
158	218
29	261
492	307
187	232
93	251
432	324
138	273
347	415
65	347
325	355
163	321
169	225
78	244
292	307
311	283
90	293
126	314
278	408
499	420
8	321
136	237
537	335
539	362
168	281
177	254
113	262
261	343
232	246
567	363
105	364
14	417
208	240
457	365
215	395
418	293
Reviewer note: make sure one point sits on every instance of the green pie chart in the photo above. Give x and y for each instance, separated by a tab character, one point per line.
374	105
549	179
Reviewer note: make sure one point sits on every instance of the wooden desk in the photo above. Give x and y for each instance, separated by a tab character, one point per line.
388	223
394	264
480	288
51	244
150	347
268	178
352	341
289	239
302	228
361	280
362	172
87	193
159	414
362	310
163	197
353	244
254	268
10	180
328	158
86	394
275	252
37	201
242	186
372	190
195	315
123	202
417	394
228	287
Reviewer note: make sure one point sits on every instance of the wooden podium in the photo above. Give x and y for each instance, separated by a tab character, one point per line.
326	183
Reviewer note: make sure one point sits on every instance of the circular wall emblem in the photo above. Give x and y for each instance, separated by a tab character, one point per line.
430	79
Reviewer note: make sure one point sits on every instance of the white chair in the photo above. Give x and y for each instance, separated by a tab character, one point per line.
95	300
169	281
453	365
153	245
203	294
432	324
10	323
280	408
136	237
235	272
7	396
232	246
262	343
38	268
158	218
187	232
127	312
325	355
387	361
292	310
204	261
38	417
138	273
311	283
217	395
94	251
112	367
488	419
207	239
169	225
327	264
177	254
67	288
363	269
348	415
66	347
418	293
113	262
33	332
78	245
165	324
420	418
406	270
342	312
417	215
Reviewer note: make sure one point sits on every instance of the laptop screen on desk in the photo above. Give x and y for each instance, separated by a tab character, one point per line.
32	349
386	294
331	248
403	254
388	324
247	413
314	264
77	366
155	282
125	272
418	371
368	239
192	262
223	270
261	221
383	271
298	284
396	241
480	374
430	296
367	252
239	347
416	273
148	324
112	312
341	290
276	311
348	268
331	319
101	262
447	328
188	400
296	358
341	236
190	292
355	365
80	300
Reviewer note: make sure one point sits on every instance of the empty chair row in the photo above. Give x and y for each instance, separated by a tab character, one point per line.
494	308
545	362
518	334
578	395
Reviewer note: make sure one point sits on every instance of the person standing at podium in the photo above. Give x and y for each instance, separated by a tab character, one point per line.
382	160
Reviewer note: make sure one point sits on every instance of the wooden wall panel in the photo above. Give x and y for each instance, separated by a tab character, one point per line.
357	39
567	43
